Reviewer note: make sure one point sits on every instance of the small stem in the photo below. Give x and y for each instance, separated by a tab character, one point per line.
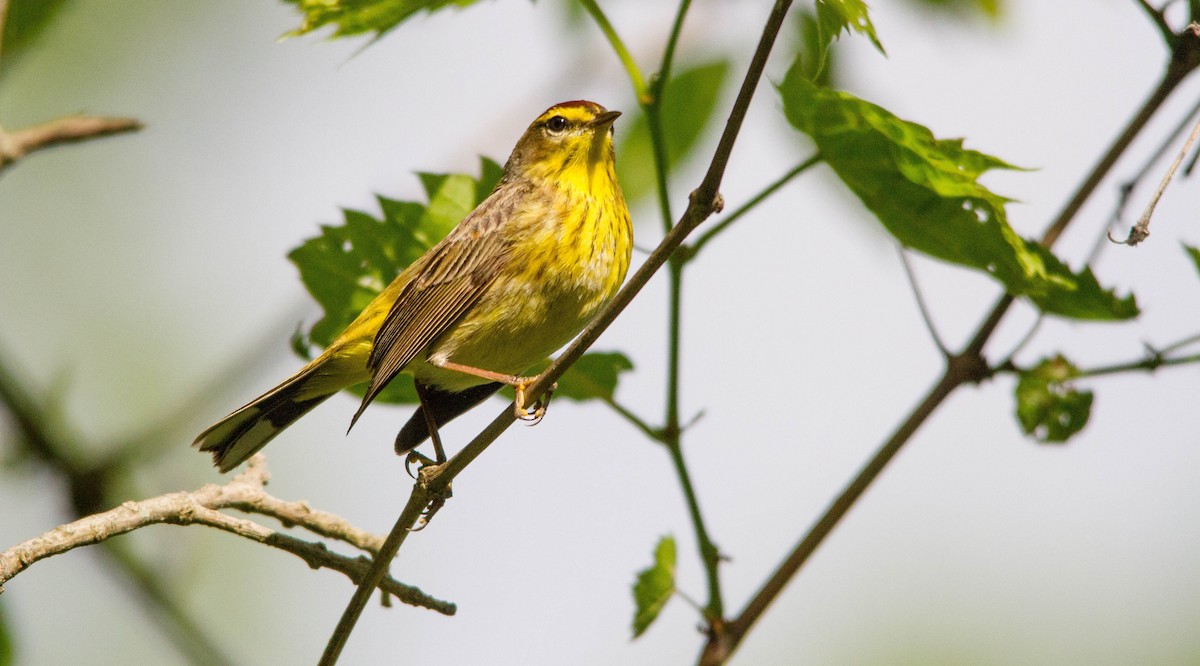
631	68
664	70
1190	340
1141	230
920	298
658	147
1156	17
1144	365
750	204
709	554
652	105
634	419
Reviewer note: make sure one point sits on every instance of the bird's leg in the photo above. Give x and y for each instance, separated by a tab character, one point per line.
532	413
430	423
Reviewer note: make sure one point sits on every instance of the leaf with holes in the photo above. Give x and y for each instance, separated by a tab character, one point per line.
925	191
1048	407
655	586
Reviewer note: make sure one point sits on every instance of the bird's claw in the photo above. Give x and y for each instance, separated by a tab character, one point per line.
416	457
532	414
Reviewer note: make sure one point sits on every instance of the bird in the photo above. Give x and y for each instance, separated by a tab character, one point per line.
515	280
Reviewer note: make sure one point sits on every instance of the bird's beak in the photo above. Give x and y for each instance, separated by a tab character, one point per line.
604	119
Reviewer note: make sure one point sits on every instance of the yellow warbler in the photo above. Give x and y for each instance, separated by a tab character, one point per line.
515	280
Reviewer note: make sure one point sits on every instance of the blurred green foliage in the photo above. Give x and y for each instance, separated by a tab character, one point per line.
655	585
355	17
689	99
1048	406
24	21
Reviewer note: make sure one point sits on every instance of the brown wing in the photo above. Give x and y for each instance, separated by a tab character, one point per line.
449	279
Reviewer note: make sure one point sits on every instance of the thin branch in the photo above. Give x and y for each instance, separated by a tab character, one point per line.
1156	17
1149	364
202	507
668	59
1176	346
635	420
70	129
920	298
695	247
435	480
1141	230
652	106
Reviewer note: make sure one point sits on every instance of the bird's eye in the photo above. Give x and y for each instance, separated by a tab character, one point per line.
556	124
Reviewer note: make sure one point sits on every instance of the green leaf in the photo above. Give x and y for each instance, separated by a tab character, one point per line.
654	586
346	266
355	17
815	57
1048	407
837	16
1194	254
688	104
925	192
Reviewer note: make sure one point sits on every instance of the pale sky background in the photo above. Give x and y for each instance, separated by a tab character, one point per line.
134	268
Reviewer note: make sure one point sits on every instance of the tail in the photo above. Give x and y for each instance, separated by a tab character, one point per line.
444	406
240	435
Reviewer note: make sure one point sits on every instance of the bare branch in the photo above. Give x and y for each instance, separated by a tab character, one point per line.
69	129
201	507
1140	231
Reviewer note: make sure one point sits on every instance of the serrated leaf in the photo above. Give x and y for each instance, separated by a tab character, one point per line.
1049	408
1194	254
346	266
816	59
654	586
355	17
925	192
688	104
837	16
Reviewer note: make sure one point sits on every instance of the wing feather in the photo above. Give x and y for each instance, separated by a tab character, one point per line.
449	279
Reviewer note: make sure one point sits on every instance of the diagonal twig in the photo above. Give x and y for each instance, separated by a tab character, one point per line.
69	129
